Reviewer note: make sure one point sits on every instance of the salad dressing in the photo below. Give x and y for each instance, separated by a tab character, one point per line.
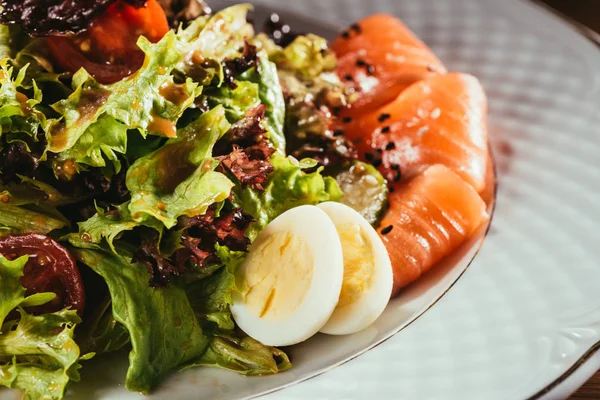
164	126
174	93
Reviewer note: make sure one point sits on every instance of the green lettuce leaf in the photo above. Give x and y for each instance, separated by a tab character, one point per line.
18	112
102	141
30	218
308	55
229	348
38	354
142	101
100	332
163	329
138	101
244	355
288	187
271	96
33	191
219	38
256	86
109	226
237	100
179	178
12	294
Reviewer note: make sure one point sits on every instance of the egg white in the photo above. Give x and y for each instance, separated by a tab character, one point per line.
363	312
316	229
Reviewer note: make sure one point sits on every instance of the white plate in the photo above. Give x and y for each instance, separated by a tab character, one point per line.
526	314
528	310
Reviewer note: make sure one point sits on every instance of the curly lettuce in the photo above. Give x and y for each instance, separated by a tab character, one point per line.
38	354
289	186
179	178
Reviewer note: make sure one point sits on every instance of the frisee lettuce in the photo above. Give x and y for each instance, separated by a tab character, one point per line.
37	353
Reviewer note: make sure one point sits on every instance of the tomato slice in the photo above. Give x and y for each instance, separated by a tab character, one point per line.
50	268
108	49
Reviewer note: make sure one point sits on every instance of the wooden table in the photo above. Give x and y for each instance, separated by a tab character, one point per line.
586	12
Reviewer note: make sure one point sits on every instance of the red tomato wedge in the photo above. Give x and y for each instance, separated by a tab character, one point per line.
441	120
382	57
429	218
108	49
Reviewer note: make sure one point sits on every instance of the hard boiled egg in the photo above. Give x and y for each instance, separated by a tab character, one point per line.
368	278
290	283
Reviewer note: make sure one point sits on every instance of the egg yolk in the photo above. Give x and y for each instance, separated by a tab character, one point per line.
276	275
359	263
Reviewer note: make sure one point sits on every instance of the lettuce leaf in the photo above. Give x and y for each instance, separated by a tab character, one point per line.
253	87
37	353
18	113
137	101
272	97
109	226
30	218
236	100
288	187
100	332
12	294
244	355
102	141
228	347
179	178
163	329
308	55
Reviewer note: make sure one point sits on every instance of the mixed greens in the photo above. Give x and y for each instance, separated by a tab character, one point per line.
156	184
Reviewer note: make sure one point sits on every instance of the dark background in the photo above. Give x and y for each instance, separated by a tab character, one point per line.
586	12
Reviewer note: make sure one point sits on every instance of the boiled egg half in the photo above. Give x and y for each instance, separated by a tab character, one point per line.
290	283
368	277
313	268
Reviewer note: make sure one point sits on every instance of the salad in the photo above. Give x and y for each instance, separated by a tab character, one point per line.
179	186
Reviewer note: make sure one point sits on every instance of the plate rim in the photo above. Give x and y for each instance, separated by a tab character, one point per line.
593	37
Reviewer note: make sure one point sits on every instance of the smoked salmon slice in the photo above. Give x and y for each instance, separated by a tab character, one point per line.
441	120
380	57
428	218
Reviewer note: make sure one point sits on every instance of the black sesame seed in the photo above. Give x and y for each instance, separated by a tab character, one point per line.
336	110
398	176
345	34
390	146
356	28
338	132
370	69
382	117
369	157
376	163
391	189
387	229
395	167
379	151
347	120
360	63
348	77
385	129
